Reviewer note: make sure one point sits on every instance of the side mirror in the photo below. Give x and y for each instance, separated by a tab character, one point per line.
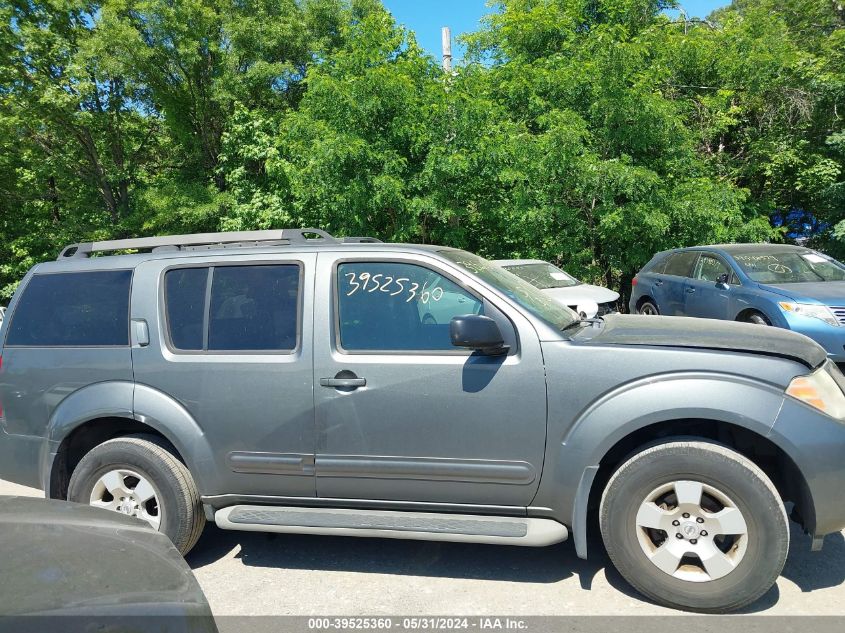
477	332
722	280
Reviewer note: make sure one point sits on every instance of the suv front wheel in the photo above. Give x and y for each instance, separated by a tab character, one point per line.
695	526
139	475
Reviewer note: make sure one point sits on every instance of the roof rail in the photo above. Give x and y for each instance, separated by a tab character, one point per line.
210	240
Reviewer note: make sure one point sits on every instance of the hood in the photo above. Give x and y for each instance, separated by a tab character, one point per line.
70	558
686	332
831	293
573	295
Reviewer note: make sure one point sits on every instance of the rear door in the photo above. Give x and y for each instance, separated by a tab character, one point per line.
230	340
702	296
652	283
678	270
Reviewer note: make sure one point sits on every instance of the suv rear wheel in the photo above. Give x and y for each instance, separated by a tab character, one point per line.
648	308
140	476
695	526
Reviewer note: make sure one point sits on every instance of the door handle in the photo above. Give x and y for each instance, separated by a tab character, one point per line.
140	333
690	290
344	380
659	282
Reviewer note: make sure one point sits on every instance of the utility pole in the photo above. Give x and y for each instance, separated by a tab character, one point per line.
446	34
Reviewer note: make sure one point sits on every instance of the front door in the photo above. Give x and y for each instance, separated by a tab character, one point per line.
402	414
702	296
230	341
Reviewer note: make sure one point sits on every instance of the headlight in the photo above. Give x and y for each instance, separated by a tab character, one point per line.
819	390
813	310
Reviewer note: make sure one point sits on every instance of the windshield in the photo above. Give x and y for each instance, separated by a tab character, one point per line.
790	267
542	276
526	295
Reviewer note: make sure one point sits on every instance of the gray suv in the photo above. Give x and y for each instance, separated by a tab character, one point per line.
289	381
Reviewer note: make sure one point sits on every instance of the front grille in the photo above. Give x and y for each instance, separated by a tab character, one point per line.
839	311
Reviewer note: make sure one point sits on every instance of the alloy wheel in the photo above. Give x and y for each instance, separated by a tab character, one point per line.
692	531
125	491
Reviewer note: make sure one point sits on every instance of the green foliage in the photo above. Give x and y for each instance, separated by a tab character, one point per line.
588	132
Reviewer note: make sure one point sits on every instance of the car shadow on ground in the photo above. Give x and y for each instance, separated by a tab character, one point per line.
815	570
808	570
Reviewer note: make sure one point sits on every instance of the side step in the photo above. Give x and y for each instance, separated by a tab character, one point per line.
425	526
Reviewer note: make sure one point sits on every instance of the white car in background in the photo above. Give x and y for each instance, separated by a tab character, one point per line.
587	300
2	314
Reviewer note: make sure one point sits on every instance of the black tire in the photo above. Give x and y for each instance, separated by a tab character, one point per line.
648	308
714	466
151	457
757	318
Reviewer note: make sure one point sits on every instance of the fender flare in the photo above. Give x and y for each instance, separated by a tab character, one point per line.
754	405
163	413
110	399
123	399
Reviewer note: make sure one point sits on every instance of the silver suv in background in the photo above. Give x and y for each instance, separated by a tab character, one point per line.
289	381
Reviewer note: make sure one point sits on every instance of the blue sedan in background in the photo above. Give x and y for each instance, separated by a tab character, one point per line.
770	284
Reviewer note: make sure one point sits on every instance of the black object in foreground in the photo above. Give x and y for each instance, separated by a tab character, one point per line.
70	567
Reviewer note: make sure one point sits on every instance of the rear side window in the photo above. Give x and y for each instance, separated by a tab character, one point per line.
251	308
680	264
254	308
657	265
185	305
84	309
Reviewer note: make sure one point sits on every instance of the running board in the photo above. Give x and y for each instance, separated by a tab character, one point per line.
425	526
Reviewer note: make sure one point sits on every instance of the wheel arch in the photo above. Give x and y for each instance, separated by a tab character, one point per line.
747	312
85	436
736	412
100	412
643	299
770	457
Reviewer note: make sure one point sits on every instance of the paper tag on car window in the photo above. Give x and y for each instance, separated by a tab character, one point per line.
559	276
814	259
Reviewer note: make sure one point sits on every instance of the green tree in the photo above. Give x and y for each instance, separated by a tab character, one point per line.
587	132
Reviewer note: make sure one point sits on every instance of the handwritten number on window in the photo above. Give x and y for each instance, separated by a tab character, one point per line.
401	286
370	283
352	282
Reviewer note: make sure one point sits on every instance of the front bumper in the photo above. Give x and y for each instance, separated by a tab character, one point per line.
816	443
830	337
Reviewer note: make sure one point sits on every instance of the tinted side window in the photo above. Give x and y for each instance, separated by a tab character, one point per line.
184	298
254	308
398	307
680	264
657	265
709	268
73	310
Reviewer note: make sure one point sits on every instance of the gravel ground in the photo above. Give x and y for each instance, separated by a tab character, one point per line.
247	573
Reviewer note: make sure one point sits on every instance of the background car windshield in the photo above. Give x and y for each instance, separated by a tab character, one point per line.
543	276
526	295
790	267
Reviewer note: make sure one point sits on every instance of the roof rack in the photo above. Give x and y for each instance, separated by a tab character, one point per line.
206	241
